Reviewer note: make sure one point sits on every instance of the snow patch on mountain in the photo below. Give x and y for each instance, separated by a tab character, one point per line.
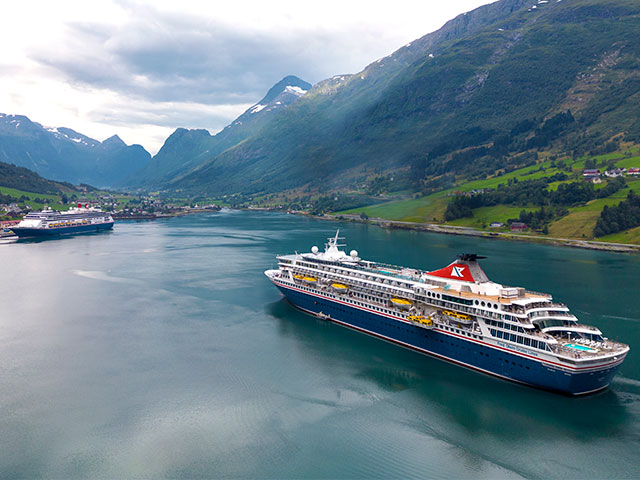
58	134
295	90
256	108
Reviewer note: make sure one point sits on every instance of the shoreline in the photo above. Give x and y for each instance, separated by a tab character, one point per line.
472	232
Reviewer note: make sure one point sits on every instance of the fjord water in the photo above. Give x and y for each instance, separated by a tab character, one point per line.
161	350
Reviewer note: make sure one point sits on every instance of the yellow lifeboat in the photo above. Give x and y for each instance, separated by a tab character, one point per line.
401	303
298	277
309	280
462	317
340	287
427	322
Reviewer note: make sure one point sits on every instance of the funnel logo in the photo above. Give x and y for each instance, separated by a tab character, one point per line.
457	272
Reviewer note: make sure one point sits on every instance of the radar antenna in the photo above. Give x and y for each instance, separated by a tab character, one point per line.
470	257
333	241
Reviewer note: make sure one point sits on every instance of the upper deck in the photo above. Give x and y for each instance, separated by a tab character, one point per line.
417	279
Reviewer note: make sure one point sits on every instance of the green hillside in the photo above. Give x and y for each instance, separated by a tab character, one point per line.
21	178
578	221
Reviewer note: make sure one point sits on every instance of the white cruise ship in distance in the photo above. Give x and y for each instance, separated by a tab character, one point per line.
49	223
453	313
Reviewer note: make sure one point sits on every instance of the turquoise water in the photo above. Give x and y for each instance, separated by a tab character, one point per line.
160	350
578	347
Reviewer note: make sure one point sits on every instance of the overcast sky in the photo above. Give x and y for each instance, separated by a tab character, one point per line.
140	69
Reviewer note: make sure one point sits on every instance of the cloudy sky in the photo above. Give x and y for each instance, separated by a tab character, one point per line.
140	69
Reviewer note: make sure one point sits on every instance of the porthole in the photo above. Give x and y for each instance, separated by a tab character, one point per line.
482	303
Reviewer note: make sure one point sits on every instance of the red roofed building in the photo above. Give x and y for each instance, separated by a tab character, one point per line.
518	227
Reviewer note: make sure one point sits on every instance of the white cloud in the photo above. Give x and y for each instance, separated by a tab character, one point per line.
140	69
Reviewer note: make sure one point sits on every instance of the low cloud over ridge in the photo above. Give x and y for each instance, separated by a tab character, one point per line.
148	68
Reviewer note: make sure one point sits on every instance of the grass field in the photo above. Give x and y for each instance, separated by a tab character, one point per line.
420	210
628	236
581	220
629	162
483	216
52	200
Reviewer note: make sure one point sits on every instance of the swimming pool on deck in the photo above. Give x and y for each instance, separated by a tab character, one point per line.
579	347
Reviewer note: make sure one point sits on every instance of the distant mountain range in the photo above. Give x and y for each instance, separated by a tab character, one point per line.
65	155
186	150
464	100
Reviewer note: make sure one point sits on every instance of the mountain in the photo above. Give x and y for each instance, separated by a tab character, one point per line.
185	149
488	90
66	155
27	180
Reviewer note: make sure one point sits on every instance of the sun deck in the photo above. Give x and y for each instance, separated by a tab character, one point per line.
494	298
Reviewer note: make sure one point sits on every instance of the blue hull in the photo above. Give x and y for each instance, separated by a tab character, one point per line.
55	232
471	353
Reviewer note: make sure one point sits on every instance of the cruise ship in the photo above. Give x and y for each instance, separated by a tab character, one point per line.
453	313
50	222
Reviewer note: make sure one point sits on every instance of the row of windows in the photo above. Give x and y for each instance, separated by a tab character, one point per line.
486	304
467	301
355	275
464	301
529	342
382	288
451	329
471	310
506	326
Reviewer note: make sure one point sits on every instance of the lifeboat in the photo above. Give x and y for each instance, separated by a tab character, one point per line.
422	321
309	280
461	318
401	303
340	287
298	277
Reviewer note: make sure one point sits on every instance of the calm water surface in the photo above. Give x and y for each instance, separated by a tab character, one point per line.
161	350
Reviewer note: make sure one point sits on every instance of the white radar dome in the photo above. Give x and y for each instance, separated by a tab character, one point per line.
314	249
353	253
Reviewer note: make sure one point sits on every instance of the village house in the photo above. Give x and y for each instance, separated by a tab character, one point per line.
8	223
518	227
591	174
616	172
